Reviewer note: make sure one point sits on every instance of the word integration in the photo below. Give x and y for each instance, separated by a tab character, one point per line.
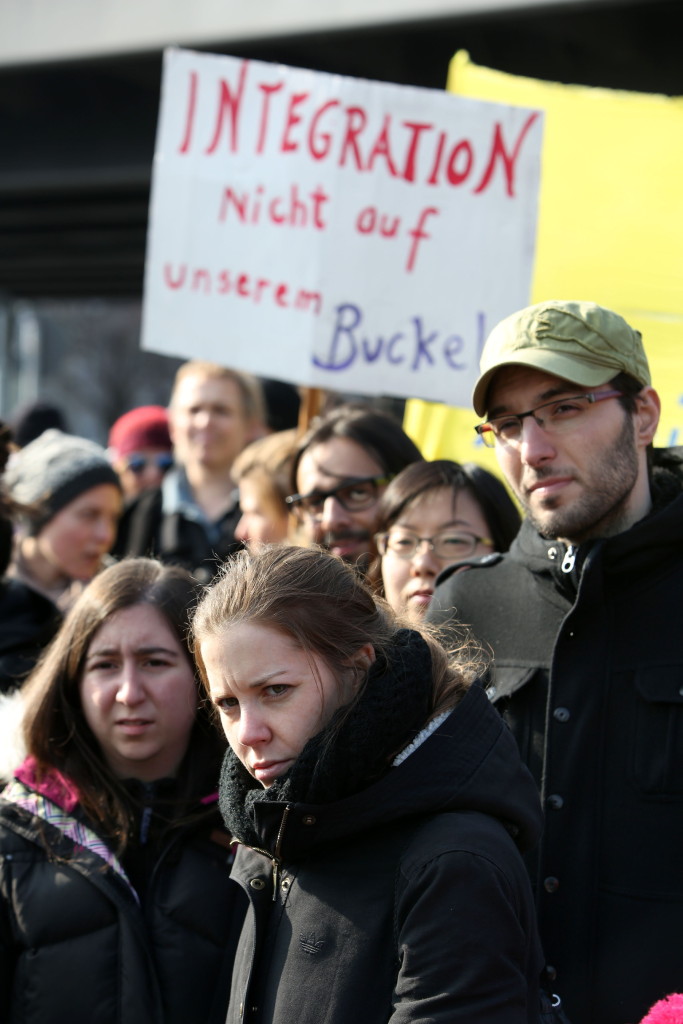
347	135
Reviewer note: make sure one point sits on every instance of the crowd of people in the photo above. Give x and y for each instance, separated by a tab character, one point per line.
296	725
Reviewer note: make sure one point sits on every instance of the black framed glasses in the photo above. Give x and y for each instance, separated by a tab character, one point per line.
137	463
451	545
559	416
353	495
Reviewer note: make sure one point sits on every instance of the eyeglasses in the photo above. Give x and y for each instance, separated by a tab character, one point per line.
451	547
354	496
559	417
138	463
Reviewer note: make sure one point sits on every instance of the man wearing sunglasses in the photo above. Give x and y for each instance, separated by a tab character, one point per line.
581	617
340	470
140	448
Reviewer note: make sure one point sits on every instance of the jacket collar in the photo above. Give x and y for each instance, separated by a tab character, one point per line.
470	763
52	785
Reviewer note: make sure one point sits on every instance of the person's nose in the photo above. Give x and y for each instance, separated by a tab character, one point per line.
334	516
242	529
130	691
535	446
253	729
151	477
424	562
201	419
104	531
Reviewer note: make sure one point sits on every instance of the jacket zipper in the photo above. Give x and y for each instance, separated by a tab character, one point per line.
274	857
569	559
277	860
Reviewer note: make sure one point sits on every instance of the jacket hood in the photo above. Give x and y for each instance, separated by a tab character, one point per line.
469	763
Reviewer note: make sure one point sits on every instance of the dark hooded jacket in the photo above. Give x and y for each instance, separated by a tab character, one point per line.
392	894
85	937
588	674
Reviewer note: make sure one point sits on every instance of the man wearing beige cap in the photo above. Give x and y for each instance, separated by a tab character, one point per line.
582	618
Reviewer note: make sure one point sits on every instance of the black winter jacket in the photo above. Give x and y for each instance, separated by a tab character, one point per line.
28	622
77	944
404	900
588	672
144	529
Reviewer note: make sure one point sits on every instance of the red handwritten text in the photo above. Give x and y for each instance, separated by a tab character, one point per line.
289	209
292	122
243	285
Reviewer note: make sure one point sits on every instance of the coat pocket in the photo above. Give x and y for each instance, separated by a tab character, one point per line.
658	740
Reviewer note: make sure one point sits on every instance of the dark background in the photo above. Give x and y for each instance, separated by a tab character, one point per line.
76	139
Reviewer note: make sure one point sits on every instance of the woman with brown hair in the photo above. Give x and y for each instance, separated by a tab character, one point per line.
379	803
115	897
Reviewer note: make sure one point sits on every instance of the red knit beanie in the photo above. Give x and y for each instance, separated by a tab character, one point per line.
144	427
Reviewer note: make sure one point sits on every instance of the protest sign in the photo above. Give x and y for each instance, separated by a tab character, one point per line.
335	232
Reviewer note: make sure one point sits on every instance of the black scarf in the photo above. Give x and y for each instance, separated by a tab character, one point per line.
353	750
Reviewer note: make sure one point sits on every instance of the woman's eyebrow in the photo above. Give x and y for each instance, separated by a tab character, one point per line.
114	649
266	678
225	689
443	526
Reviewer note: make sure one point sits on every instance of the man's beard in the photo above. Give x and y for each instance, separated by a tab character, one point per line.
602	510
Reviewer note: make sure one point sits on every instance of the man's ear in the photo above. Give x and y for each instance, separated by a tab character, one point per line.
646	420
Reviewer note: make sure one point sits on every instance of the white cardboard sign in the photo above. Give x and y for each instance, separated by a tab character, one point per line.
336	232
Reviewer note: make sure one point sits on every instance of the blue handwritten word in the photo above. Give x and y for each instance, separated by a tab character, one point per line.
415	347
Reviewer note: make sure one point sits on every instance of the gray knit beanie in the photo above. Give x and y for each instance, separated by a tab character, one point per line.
54	469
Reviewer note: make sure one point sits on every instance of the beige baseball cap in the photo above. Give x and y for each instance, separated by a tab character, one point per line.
578	341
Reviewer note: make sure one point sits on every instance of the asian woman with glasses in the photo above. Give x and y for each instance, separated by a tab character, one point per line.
432	515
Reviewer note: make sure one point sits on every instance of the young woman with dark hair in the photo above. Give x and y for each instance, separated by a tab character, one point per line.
432	515
379	803
115	897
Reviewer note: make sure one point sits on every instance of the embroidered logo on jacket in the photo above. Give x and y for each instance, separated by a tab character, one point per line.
310	944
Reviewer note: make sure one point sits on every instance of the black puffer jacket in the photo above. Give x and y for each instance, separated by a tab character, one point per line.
77	942
588	673
402	899
28	622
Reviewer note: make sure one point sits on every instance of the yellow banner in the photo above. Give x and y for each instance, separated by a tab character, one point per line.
610	230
